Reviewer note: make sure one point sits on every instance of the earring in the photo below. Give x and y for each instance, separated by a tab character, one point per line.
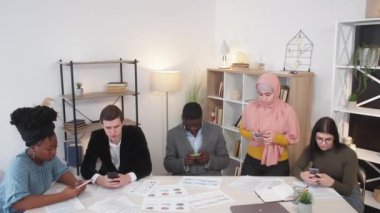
32	152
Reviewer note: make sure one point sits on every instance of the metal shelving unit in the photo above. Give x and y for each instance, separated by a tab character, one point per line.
70	99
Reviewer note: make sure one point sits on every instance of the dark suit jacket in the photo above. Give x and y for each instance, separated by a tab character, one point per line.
134	154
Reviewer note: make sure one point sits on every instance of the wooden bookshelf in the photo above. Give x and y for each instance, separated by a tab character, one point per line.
243	80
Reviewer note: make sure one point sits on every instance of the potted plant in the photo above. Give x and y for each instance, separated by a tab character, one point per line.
305	202
78	89
365	59
194	95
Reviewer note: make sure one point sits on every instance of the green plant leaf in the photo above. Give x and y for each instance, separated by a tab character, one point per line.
306	197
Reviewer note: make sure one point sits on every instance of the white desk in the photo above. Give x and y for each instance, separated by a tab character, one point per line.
239	197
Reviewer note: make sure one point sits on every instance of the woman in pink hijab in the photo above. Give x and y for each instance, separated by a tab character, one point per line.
269	125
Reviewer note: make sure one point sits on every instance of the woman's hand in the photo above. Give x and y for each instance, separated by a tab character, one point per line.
70	192
319	179
309	178
323	179
268	137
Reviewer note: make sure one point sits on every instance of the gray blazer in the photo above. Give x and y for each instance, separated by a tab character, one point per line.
177	147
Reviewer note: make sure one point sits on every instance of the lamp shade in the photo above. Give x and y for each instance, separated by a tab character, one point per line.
224	49
166	81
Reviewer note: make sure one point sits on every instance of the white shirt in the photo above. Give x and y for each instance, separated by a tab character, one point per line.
195	141
115	158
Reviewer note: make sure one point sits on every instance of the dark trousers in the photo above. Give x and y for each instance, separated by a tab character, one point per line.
253	167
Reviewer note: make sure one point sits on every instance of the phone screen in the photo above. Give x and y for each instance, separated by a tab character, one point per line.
112	175
314	171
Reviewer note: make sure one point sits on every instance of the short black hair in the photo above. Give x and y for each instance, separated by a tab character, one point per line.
192	111
111	112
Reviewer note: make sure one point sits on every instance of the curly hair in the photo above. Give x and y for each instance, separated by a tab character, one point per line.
34	123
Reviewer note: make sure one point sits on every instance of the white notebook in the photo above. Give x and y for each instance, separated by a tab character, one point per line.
281	192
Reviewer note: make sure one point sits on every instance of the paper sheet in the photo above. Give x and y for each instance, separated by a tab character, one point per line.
167	191
207	182
206	199
141	187
114	205
72	205
172	204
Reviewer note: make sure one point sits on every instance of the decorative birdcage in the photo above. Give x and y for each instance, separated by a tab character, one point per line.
298	53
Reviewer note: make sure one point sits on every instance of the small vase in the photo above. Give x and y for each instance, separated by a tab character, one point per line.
79	92
304	208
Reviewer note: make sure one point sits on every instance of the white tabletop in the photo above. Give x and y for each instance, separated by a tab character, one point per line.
240	197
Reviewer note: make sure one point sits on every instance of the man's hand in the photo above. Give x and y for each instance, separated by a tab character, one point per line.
122	180
203	158
107	182
189	160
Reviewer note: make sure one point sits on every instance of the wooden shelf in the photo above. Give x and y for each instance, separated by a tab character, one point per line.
95	95
95	126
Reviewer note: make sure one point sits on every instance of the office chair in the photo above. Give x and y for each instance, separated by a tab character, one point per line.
362	178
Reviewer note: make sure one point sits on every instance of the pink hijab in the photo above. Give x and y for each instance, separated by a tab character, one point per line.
276	116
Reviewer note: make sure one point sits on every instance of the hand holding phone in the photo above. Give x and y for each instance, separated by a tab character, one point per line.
257	135
314	171
112	175
195	155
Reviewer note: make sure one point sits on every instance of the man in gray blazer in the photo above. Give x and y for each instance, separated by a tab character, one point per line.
195	147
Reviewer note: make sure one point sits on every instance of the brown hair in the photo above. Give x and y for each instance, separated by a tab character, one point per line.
111	112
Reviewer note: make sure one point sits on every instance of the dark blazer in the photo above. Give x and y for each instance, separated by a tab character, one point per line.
134	154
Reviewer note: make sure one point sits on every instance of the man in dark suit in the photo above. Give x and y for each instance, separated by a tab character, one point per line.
121	149
195	147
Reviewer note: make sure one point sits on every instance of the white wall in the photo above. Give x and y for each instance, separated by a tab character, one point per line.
263	28
165	35
162	35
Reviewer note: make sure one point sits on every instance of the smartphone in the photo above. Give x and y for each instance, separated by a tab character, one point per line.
257	135
195	155
112	175
84	183
314	171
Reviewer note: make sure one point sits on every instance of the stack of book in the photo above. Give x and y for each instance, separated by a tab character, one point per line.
81	124
116	86
240	65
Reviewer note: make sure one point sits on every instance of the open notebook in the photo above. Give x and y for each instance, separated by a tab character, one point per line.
259	208
280	192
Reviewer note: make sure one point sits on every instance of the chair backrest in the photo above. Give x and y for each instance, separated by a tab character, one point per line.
362	178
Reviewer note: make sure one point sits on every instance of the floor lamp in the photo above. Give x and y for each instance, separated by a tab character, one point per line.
166	81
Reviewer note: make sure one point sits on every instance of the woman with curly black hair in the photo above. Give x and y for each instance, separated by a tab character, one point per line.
32	172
